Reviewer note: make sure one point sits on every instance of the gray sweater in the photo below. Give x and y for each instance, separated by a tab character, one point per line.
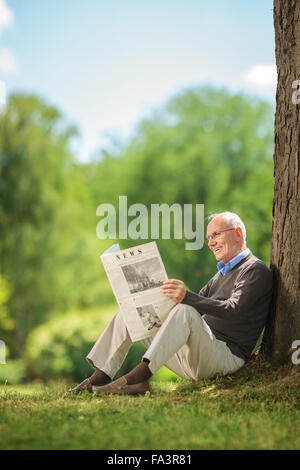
235	306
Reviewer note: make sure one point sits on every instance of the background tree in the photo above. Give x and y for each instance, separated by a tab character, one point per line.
203	146
284	325
48	244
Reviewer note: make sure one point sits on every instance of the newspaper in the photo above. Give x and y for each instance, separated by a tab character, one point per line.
135	275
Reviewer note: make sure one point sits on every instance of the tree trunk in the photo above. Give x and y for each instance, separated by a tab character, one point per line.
284	324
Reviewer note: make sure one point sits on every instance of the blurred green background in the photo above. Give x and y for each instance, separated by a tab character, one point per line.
205	145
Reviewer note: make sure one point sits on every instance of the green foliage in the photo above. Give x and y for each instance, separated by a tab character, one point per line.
33	162
49	253
13	372
205	146
58	348
6	322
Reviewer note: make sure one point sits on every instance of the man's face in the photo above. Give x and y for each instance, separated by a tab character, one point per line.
225	245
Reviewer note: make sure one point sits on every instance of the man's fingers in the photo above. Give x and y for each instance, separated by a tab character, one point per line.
169	291
170	287
172	282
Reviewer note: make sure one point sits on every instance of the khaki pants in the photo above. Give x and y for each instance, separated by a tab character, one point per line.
184	344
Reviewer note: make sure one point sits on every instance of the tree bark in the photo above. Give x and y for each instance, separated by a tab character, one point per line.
284	323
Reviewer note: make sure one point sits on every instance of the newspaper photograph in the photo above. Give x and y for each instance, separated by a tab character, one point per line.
135	275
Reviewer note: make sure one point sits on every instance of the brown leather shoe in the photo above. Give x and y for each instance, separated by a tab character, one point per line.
121	387
85	385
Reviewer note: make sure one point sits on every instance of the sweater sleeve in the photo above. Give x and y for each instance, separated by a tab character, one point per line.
248	289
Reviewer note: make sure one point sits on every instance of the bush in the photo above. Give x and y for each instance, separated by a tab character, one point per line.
57	349
13	372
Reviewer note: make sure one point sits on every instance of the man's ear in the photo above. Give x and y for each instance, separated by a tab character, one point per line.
238	230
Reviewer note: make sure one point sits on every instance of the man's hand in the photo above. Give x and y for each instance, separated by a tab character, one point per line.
174	289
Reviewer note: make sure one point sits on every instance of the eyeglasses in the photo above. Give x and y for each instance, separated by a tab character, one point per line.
216	235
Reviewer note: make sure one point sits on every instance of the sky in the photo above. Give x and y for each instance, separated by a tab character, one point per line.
105	65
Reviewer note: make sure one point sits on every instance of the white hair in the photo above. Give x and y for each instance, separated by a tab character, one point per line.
232	219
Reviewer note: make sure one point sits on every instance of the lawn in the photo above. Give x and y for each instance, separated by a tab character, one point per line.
256	408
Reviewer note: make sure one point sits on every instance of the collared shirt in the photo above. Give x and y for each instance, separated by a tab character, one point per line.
225	268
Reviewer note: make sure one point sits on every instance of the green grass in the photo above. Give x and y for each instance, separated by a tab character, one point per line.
256	408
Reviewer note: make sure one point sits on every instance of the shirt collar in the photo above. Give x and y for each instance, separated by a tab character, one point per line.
225	268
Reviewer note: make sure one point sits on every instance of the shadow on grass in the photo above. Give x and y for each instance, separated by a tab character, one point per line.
257	375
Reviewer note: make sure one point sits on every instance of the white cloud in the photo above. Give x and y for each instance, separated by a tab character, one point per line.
6	16
8	63
261	76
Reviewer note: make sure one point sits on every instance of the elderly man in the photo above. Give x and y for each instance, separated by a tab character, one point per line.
213	332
